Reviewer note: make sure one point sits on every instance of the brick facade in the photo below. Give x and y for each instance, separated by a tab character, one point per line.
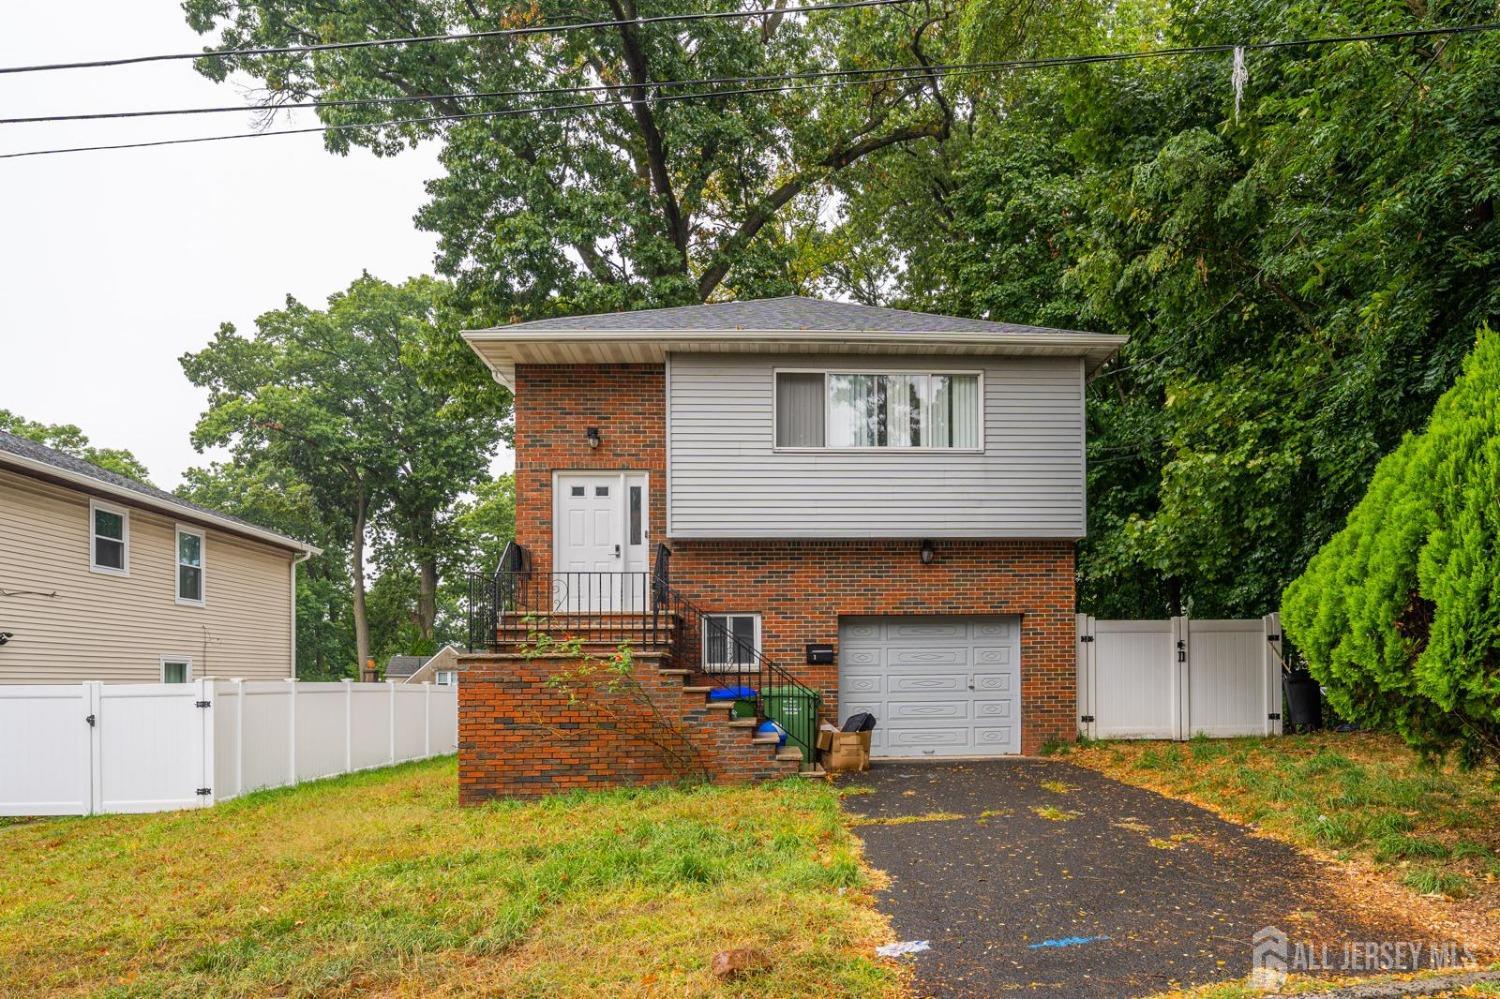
799	587
518	735
555	404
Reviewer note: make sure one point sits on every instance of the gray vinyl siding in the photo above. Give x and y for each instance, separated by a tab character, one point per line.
725	478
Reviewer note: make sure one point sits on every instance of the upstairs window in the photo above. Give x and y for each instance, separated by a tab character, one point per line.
873	409
109	542
189	566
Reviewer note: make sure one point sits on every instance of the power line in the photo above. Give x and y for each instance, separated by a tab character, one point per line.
506	113
468	36
819	78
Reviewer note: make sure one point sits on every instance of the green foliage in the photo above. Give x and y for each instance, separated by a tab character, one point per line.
69	439
379	412
637	203
1399	614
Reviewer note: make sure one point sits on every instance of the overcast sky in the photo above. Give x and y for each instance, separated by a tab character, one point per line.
112	264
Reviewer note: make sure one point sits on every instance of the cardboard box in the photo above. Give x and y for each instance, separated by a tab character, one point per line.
845	751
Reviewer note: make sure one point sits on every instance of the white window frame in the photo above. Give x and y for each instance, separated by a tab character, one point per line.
202	565
451	674
187	661
777	372
124	539
726	668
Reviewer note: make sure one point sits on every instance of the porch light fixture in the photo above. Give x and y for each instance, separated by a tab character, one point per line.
592	436
928	552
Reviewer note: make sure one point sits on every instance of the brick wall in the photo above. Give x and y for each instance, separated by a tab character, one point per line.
555	404
801	588
518	735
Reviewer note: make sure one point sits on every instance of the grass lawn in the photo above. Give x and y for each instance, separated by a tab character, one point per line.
1361	798
379	882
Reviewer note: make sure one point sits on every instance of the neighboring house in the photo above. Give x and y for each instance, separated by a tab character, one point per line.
880	504
440	668
106	578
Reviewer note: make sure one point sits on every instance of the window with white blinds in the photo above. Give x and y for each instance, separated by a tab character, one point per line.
873	409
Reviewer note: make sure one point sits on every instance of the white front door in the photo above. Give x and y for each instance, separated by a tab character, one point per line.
600	540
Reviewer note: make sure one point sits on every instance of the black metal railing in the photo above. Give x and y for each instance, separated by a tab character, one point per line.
515	605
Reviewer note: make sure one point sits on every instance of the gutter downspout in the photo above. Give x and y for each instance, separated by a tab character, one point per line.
296	561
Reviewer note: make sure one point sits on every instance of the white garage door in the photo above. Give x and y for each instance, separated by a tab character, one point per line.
937	686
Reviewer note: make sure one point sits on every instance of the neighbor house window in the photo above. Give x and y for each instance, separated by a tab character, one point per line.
176	670
189	566
447	677
874	409
109	528
730	642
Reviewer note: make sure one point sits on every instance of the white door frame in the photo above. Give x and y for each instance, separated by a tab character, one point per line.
630	561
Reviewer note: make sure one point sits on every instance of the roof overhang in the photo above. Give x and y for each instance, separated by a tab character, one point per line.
503	349
98	487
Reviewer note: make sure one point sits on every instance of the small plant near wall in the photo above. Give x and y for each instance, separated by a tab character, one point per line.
611	693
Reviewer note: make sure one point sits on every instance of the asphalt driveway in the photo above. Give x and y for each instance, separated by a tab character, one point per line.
1058	881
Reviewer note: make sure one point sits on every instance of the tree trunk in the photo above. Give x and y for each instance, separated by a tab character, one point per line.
427	573
357	567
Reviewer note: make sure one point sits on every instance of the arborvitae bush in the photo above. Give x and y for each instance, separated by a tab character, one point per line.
1398	615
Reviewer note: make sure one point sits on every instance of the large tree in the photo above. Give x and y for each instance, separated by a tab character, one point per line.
641	200
1299	278
374	403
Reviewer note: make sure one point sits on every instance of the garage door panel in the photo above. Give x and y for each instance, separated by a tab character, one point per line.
992	709
996	737
900	683
905	710
927	657
916	738
927	631
937	686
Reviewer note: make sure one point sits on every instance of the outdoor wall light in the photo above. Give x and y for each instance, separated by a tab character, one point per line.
928	552
592	436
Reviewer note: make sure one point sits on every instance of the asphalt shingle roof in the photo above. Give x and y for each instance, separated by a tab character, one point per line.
26	448
792	312
398	666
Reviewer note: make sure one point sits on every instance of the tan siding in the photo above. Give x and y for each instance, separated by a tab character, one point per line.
117	628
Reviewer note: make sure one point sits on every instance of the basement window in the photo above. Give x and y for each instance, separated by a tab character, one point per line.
730	642
176	669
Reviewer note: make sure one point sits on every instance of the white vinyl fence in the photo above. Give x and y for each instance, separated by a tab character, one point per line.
85	748
1176	679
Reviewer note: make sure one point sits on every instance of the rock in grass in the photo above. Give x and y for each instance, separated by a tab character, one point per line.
737	963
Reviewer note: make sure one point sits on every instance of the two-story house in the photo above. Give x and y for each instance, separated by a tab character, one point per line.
106	578
879	505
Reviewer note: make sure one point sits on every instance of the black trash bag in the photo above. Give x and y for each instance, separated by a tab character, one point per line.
861	721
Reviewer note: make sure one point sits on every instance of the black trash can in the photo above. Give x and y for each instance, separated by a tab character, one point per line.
1304	701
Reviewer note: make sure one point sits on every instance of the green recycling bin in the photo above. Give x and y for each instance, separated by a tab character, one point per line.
796	710
743	708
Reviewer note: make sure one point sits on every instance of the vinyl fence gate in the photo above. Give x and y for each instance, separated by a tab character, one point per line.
1179	678
88	748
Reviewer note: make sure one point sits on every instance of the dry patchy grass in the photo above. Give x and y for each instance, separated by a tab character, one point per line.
1361	798
380	883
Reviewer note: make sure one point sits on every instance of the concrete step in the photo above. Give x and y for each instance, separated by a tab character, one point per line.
769	739
743	723
696	690
789	754
668	671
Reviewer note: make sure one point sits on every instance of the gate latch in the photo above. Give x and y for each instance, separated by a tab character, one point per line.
1086	638
91	720
1087	718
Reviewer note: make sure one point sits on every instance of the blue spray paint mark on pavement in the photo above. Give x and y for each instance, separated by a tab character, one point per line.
1065	942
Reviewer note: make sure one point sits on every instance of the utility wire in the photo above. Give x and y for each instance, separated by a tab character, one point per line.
819	78
468	36
506	113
